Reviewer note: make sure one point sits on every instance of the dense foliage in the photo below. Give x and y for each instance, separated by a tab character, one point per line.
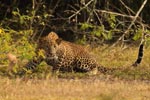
94	20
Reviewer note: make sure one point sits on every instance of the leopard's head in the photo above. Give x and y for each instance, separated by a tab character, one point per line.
50	43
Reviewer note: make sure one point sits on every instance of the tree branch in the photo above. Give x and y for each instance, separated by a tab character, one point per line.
134	19
85	6
115	13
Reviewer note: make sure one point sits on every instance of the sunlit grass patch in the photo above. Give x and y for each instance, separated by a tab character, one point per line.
127	84
72	89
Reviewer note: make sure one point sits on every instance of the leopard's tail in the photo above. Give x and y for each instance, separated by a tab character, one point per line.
107	70
140	56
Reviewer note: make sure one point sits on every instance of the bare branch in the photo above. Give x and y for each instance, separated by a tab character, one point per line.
115	13
85	6
126	6
136	16
134	19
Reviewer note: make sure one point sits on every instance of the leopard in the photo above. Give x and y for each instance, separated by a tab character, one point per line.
65	56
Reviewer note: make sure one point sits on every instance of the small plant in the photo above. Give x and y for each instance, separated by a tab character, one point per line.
98	31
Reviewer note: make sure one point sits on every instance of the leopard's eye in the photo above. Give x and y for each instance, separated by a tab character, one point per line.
54	46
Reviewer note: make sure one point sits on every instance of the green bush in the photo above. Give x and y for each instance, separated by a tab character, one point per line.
17	44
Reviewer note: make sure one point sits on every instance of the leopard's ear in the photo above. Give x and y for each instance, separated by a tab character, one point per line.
58	41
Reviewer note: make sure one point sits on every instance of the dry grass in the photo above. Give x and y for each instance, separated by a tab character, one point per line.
69	89
122	57
101	87
117	56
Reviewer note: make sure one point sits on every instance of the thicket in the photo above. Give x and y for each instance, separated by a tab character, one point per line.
98	20
83	21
